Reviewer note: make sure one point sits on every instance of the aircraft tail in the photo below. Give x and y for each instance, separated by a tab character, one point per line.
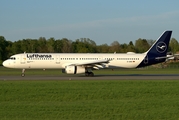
160	47
158	51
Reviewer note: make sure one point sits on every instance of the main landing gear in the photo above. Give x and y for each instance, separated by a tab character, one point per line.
23	73
91	74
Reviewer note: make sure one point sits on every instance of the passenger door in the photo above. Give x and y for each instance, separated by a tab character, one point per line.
23	59
57	59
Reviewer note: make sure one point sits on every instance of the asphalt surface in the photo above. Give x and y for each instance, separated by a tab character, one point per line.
96	77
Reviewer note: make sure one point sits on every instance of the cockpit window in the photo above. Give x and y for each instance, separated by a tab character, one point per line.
12	58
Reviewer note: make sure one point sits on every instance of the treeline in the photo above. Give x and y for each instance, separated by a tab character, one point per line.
82	45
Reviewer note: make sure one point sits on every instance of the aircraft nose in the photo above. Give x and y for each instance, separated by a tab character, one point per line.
5	63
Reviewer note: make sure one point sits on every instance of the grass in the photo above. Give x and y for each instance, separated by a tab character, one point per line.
79	100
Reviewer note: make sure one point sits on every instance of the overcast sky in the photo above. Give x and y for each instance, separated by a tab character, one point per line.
103	21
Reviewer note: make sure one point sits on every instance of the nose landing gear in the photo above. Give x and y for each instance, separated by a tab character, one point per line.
23	73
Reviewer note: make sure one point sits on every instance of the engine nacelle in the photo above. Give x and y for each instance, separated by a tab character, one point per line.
74	70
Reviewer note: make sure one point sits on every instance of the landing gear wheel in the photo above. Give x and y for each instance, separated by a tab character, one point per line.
86	73
22	74
91	74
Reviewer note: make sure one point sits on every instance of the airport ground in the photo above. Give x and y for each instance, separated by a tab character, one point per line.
150	73
111	94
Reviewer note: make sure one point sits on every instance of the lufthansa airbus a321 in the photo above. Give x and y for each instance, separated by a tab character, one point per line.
84	63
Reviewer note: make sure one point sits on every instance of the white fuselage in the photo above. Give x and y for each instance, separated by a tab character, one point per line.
60	60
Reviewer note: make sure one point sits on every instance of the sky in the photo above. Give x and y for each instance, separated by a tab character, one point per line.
102	21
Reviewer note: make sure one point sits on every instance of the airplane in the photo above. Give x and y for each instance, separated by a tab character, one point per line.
84	63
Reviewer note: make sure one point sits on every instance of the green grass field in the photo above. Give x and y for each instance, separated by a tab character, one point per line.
92	99
82	100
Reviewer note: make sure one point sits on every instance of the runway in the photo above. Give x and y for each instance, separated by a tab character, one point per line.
96	77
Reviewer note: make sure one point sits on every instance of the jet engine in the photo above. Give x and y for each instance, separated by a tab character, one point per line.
74	70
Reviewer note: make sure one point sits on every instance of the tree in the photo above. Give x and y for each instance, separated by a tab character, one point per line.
3	52
124	48
42	48
104	48
130	47
66	45
174	45
33	44
8	50
141	45
58	45
115	47
84	45
25	45
16	47
150	42
51	45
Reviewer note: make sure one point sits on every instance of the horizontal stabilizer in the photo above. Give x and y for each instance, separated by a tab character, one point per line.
164	57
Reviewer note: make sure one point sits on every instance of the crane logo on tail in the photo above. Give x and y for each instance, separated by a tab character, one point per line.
161	47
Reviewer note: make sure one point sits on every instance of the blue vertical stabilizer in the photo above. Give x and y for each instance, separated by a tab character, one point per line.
158	51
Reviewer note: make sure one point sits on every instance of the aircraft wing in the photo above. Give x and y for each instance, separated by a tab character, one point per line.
97	64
